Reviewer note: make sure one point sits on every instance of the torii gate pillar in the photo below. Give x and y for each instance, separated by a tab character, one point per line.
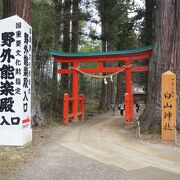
75	92
128	77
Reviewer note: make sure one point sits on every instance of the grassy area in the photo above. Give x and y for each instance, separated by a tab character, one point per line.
13	159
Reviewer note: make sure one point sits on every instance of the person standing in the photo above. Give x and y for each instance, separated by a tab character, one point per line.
112	108
121	108
137	107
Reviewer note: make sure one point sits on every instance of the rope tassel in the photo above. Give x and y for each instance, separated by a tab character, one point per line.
111	78
105	81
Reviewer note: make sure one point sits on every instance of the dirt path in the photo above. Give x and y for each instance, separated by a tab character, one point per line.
99	149
105	142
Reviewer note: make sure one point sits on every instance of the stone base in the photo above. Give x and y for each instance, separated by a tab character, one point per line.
15	137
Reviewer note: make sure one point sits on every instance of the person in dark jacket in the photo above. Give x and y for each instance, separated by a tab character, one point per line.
137	107
112	106
121	109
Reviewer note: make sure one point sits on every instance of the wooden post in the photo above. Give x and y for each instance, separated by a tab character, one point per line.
168	124
75	92
82	106
129	88
127	109
66	108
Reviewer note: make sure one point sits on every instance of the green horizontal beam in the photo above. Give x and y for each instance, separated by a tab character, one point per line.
82	54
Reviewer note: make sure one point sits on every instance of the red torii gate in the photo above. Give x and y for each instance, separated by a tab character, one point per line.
100	57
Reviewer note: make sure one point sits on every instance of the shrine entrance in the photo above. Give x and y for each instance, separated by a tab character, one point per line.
126	56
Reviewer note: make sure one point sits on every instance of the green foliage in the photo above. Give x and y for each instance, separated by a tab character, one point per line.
43	41
43	31
42	26
87	85
92	46
121	29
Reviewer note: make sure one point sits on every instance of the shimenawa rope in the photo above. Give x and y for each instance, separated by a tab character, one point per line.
100	77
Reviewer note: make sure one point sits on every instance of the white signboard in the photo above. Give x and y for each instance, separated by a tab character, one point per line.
15	81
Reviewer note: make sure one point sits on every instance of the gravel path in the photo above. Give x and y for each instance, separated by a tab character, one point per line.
97	149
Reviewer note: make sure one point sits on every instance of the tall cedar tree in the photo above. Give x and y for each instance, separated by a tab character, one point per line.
20	7
66	39
75	25
147	36
102	10
149	21
166	56
57	35
116	28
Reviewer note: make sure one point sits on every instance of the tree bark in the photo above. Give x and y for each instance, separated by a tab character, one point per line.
102	103
57	31
66	40
165	57
20	7
120	88
149	21
75	26
57	35
7	8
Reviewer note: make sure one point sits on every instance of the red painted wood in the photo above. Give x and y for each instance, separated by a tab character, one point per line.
75	91
128	78
75	112
127	109
100	70
100	66
66	108
133	56
82	106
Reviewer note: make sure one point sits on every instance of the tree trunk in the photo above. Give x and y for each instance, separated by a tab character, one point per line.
166	56
20	7
149	21
120	88
57	35
118	95
110	85
75	26
102	103
110	88
66	40
7	8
